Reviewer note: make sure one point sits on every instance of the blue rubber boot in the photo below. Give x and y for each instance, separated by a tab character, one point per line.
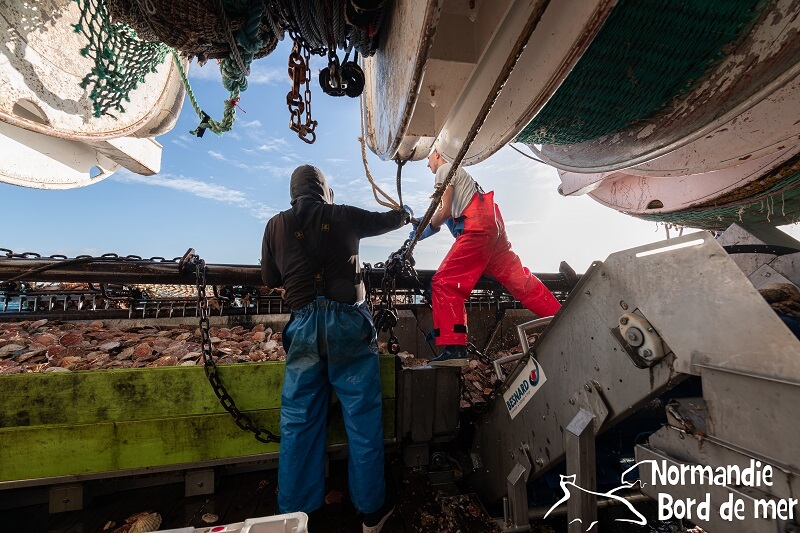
453	355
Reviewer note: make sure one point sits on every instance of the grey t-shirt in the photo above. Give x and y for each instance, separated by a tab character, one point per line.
464	187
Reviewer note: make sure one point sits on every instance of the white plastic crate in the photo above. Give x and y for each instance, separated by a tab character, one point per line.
282	523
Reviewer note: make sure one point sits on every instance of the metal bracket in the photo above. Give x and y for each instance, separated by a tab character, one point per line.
581	462
644	342
590	399
199	482
515	505
186	262
65	498
522	330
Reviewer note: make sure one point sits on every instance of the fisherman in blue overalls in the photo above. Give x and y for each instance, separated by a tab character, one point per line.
312	251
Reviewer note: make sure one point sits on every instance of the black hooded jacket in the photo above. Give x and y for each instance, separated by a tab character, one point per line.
283	263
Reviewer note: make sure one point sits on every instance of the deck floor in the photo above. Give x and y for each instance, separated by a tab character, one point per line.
420	507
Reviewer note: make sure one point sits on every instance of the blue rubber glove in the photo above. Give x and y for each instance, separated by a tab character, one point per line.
427	232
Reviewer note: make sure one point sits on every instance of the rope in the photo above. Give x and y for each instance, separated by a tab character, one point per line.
524	154
375	189
234	31
235	68
480	118
230	38
229	114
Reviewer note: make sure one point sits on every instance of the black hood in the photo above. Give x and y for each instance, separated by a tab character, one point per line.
309	182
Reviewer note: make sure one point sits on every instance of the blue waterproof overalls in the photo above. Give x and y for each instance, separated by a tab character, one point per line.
330	344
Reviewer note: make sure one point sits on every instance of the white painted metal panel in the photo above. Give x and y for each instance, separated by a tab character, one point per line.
440	60
769	126
633	194
34	160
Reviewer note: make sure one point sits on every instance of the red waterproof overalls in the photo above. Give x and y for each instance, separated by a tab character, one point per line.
482	248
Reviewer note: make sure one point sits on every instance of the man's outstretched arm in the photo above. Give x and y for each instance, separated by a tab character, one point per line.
445	210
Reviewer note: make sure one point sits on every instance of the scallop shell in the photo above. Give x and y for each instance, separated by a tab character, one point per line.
70	339
144	523
38	324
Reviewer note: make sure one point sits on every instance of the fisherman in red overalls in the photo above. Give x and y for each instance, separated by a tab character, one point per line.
481	248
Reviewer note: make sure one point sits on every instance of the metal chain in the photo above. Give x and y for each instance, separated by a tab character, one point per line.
110	257
300	73
10	254
386	317
242	420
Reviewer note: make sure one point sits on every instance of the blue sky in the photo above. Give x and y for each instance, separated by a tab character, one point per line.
215	194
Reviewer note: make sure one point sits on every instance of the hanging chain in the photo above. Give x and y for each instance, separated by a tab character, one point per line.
385	317
300	73
242	420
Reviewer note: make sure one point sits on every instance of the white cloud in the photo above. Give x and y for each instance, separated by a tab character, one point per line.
260	74
264	75
182	141
272	145
201	189
278	171
208	72
221	157
252	124
336	161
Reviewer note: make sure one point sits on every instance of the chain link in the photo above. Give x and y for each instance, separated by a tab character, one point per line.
386	317
242	420
10	254
300	73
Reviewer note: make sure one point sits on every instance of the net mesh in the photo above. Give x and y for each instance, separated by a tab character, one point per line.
646	54
127	39
121	59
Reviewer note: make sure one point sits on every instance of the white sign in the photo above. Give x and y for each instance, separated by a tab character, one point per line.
527	383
